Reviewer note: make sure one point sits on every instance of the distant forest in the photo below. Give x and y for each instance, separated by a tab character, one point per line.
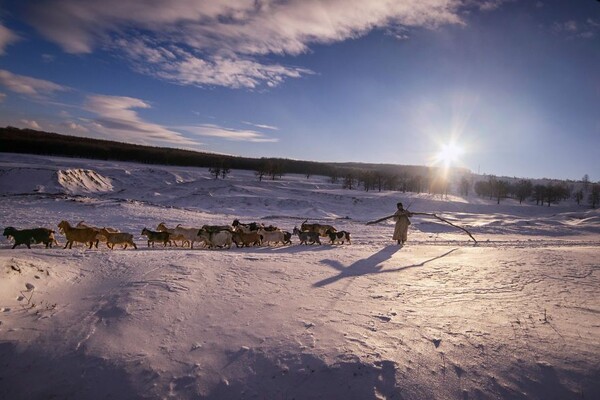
350	175
406	178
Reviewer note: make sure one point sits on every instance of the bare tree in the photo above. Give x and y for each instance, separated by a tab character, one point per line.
260	170
225	170
367	178
465	184
538	194
586	182
500	190
215	170
523	189
349	180
594	197
274	169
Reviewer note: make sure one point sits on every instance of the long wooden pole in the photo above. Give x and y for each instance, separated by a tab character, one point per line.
446	221
380	219
429	215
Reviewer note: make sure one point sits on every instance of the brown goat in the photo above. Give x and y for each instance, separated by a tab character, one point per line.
320	229
246	239
81	235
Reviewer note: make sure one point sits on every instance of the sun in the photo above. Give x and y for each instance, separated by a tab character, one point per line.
449	154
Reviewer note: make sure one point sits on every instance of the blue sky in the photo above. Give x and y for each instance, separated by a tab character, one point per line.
514	84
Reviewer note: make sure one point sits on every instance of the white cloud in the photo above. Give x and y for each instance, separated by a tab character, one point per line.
231	72
223	43
30	124
75	127
228	133
28	86
117	119
6	38
2	97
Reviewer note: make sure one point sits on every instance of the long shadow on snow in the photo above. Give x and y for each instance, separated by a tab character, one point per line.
370	265
255	375
34	375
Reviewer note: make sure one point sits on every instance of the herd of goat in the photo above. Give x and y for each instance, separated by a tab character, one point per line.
210	236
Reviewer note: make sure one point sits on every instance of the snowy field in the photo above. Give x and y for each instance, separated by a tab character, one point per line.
515	316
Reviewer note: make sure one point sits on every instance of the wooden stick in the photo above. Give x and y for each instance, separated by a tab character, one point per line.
380	219
446	221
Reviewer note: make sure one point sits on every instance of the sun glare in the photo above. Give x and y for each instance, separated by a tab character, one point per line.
449	154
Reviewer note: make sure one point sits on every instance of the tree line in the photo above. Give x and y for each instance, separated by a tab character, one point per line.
542	194
349	175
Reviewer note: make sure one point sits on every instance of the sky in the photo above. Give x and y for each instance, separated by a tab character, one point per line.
512	85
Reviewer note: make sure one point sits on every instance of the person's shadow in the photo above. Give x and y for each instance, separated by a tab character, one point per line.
370	265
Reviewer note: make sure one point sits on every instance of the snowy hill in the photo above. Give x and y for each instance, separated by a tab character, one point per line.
516	315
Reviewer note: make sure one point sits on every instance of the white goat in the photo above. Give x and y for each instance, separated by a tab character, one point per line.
272	236
215	239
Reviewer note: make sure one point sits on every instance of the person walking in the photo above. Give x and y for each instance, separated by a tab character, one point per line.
402	222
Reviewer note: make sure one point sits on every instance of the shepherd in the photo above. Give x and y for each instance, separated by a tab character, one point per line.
402	222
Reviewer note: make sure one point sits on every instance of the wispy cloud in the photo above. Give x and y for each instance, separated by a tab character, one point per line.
2	97
587	29
225	43
228	133
490	5
118	120
261	126
48	58
29	86
6	38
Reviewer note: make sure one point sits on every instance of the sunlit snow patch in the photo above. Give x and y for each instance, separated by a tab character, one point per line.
83	181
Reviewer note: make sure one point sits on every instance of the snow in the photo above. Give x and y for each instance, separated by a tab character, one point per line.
516	315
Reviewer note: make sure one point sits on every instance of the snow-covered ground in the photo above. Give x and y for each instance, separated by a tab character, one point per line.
515	316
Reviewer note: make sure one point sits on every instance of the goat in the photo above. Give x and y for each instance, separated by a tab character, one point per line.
246	239
339	236
215	239
29	236
217	228
82	224
190	234
320	229
156	237
305	237
251	227
113	238
172	235
81	235
287	237
100	237
272	236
